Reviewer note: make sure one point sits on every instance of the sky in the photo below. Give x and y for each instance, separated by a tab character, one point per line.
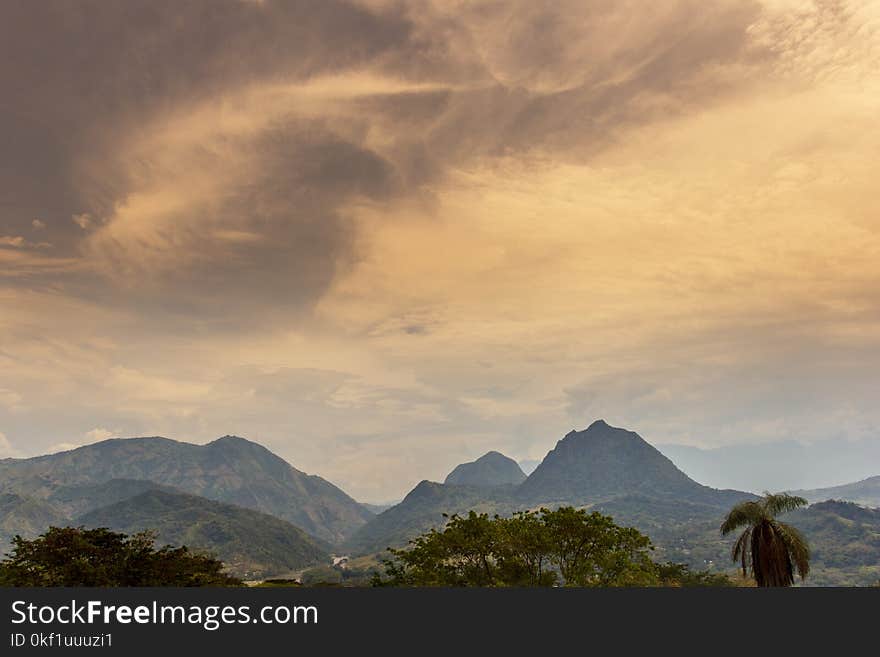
383	237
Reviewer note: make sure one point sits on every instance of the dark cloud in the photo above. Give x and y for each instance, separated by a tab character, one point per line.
81	81
78	77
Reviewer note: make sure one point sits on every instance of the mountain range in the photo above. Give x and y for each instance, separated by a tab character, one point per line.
264	517
599	465
616	472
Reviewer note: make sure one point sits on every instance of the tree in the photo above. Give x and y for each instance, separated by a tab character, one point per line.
591	550
528	549
524	550
463	554
771	549
74	556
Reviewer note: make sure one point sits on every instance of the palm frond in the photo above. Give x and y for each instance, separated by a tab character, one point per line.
742	515
797	547
740	550
779	503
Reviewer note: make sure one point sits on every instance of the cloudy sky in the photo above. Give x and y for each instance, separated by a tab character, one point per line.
382	237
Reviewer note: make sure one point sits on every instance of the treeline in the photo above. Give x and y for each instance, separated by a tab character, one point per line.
566	546
561	547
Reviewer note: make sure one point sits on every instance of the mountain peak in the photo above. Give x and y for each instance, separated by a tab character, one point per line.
603	462
240	446
598	426
491	469
423	490
231	440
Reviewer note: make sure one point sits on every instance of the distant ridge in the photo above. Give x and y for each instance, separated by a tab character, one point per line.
866	492
491	469
783	464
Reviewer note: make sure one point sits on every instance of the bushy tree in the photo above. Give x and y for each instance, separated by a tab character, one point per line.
74	556
524	550
462	554
567	546
589	549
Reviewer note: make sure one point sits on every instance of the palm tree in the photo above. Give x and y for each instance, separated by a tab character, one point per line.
772	549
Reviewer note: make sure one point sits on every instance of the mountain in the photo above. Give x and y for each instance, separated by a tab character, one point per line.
844	540
603	462
605	468
865	492
491	469
422	509
230	469
251	544
682	532
780	465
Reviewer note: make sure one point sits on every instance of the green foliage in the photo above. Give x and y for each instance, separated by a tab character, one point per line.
679	574
590	550
568	546
524	548
69	556
771	549
278	583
